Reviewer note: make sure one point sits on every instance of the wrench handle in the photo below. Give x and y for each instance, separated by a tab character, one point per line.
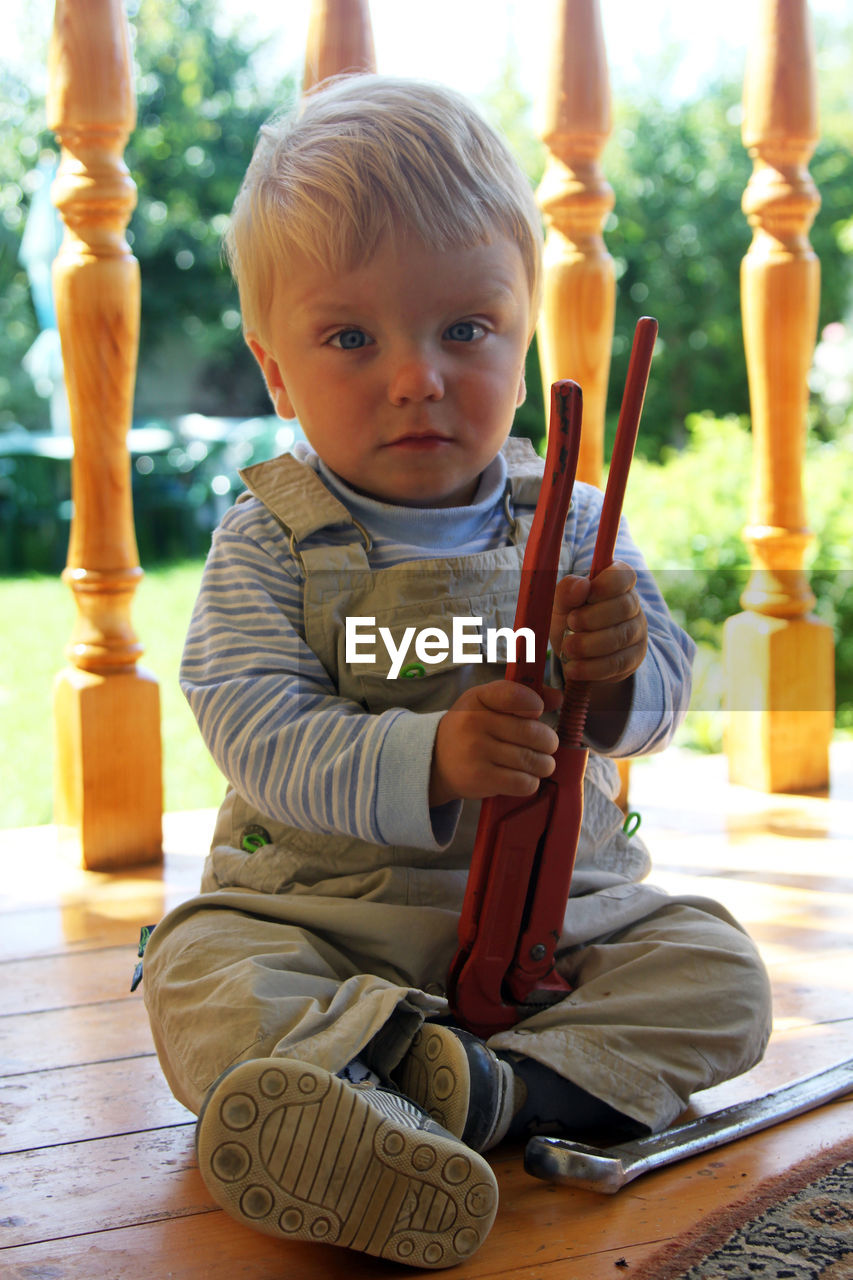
540	565
573	712
639	365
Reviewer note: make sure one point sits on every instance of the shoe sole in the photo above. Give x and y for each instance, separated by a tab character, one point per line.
295	1152
435	1074
464	1090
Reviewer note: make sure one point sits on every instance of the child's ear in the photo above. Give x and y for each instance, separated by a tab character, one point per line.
522	391
272	377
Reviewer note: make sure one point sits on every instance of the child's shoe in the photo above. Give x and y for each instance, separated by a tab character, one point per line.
460	1082
293	1151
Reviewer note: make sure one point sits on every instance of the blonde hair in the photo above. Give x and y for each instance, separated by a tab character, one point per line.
365	157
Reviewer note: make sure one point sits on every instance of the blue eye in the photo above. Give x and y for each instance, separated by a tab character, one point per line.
350	339
464	331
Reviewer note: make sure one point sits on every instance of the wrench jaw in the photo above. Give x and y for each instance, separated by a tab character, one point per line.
493	915
586	1168
590	1168
532	980
505	969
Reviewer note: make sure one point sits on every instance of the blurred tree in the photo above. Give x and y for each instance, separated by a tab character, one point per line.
677	236
678	233
200	108
23	143
508	109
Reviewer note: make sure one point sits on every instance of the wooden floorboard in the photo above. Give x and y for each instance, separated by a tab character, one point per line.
98	1179
72	1037
70	1104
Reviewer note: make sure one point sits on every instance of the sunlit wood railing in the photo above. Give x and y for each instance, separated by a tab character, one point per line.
575	332
340	40
779	659
107	718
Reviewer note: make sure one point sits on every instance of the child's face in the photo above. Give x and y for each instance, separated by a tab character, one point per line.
404	373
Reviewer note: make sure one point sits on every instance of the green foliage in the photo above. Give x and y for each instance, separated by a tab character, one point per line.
199	111
183	476
32	655
508	109
678	169
687	513
829	503
530	417
677	236
23	141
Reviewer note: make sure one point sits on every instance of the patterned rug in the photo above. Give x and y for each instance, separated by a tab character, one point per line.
798	1226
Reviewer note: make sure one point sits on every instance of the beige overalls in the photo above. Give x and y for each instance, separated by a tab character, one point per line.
324	948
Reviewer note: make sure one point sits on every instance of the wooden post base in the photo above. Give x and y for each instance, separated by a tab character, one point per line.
109	790
780	691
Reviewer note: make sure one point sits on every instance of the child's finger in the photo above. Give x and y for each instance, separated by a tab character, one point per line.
518	759
570	595
617	579
604	614
607	669
523	735
510	698
613	639
571	592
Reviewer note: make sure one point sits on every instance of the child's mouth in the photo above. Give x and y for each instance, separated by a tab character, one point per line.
420	442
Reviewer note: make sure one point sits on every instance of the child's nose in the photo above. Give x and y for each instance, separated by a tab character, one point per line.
415	378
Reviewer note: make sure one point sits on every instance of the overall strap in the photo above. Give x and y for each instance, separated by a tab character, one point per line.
525	469
296	497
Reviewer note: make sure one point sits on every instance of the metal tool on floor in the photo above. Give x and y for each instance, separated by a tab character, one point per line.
609	1169
523	858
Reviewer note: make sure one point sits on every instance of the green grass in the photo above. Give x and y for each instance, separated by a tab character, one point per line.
37	615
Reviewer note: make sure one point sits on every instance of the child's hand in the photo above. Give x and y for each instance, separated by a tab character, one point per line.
600	632
492	742
598	628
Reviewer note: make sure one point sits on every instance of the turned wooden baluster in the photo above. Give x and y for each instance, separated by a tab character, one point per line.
575	332
778	658
340	40
108	763
576	328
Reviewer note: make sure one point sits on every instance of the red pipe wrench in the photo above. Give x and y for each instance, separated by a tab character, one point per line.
524	852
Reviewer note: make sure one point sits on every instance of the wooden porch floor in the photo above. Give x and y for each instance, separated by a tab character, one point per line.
97	1173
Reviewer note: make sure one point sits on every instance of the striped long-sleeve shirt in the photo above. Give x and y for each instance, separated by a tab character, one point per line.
272	717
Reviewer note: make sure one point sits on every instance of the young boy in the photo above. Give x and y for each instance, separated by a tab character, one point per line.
388	254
